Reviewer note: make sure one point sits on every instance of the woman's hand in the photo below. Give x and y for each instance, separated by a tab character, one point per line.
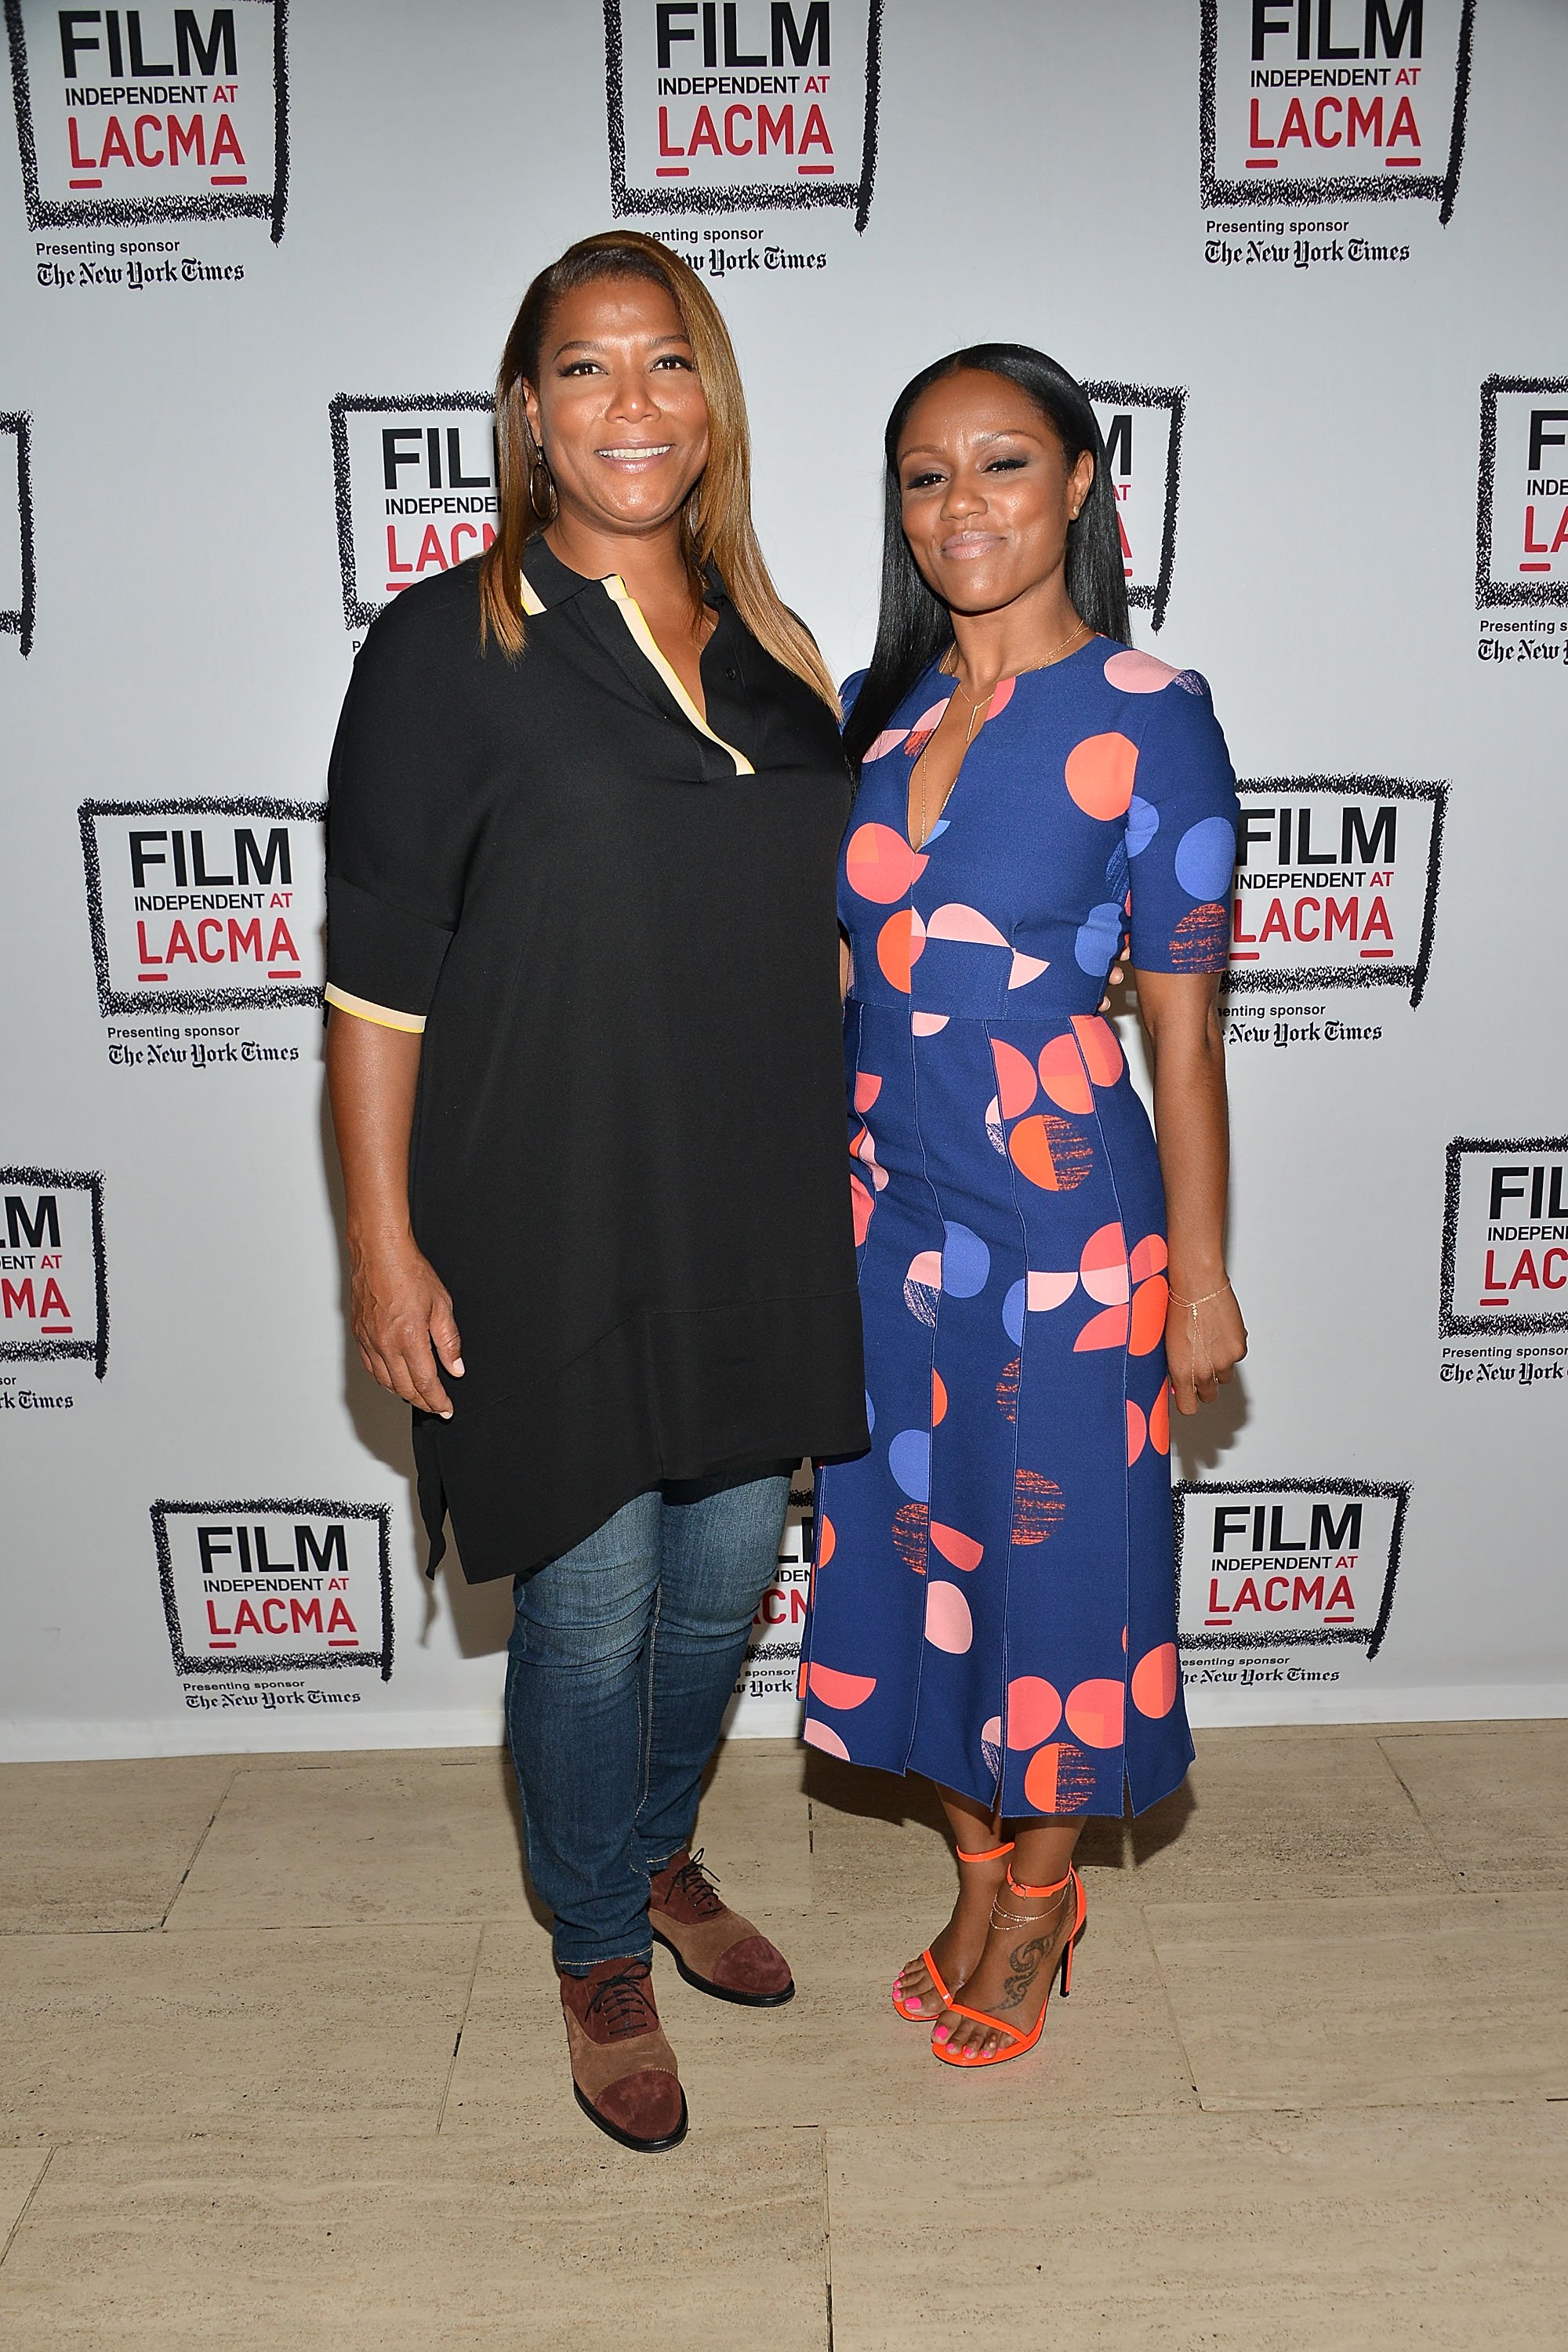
400	1311
401	1316
1204	1344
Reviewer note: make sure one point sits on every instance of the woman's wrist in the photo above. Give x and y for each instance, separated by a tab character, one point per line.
1194	1274
390	1238
1200	1297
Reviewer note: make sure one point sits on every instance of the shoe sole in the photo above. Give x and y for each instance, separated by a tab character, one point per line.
629	2139
724	1992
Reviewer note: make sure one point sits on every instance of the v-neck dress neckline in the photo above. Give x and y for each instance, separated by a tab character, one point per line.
1001	693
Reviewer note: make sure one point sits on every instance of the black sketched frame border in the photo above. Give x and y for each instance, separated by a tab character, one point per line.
1490	592
1414	976
20	620
1464	1326
1173	399
96	1349
51	211
111	1000
358	612
274	1506
1439	187
627	202
1396	1490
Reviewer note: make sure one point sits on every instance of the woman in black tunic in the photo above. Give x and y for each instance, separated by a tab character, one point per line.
586	1070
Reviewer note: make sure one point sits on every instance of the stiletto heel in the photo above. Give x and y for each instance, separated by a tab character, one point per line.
912	2016
1018	2044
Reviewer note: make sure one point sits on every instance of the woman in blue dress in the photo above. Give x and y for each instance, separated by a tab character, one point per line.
1041	1275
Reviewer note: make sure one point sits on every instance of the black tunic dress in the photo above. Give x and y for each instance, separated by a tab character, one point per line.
615	926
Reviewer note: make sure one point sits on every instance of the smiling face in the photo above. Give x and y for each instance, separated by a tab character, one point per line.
619	409
986	491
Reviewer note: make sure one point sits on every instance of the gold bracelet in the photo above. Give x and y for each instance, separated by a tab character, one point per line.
1204	1301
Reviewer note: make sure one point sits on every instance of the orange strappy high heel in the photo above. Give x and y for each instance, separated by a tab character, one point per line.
912	2016
1018	2044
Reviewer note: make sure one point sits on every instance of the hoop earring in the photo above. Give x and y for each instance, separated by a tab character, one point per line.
547	507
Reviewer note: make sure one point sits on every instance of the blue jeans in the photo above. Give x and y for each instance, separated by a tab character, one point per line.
621	1663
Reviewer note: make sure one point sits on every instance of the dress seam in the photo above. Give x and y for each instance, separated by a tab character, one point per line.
1018	1414
929	1398
1126	1358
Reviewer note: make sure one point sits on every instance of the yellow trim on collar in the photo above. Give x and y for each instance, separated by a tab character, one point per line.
383	1015
532	602
631	612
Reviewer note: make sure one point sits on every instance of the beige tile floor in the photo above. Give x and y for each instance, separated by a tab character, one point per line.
281	2064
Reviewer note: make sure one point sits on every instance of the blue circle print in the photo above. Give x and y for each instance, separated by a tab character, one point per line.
1204	855
965	1262
1099	938
908	1459
1012	1312
1142	824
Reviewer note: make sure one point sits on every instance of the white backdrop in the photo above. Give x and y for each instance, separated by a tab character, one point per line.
1322	294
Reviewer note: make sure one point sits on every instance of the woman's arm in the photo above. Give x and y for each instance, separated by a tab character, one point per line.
1205	1342
398	1308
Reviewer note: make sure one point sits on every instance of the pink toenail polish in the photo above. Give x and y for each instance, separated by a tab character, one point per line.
941	2034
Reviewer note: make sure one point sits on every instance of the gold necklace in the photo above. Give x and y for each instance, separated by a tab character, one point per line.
974	702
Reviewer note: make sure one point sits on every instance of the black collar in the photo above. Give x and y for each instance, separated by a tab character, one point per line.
554	582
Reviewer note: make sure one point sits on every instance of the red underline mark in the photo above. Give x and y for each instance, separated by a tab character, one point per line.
1263	162
811	170
1535	567
222	1645
1368	953
86	184
151	975
338	1643
282	975
1488	1300
229	180
672	172
1402	162
55	1330
1237	955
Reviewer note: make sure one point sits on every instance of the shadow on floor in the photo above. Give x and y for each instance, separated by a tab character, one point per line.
1105	1844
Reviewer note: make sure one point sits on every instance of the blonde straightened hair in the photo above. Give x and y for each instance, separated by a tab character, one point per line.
716	525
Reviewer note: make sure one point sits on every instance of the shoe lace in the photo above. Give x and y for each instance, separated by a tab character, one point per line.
622	1999
698	1885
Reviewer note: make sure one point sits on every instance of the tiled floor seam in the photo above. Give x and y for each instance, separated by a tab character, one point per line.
1455	1872
26	2205
194	1855
827	2234
1170	2006
463	2023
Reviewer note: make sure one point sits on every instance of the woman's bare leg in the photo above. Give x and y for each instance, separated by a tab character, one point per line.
959	1944
1011	1975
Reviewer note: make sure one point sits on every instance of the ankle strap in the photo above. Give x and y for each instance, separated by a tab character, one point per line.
1037	1891
995	1853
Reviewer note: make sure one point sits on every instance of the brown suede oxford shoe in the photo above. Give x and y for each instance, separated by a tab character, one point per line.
715	1949
622	2070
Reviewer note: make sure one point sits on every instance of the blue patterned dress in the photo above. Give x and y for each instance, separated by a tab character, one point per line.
993	1602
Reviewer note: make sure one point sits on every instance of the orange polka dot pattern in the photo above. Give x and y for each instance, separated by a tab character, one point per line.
993	1602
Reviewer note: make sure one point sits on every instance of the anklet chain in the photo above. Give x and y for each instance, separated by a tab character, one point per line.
1001	1918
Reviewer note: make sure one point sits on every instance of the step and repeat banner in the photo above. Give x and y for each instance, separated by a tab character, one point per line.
259	264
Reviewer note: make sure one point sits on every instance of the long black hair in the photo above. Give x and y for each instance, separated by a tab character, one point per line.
914	627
